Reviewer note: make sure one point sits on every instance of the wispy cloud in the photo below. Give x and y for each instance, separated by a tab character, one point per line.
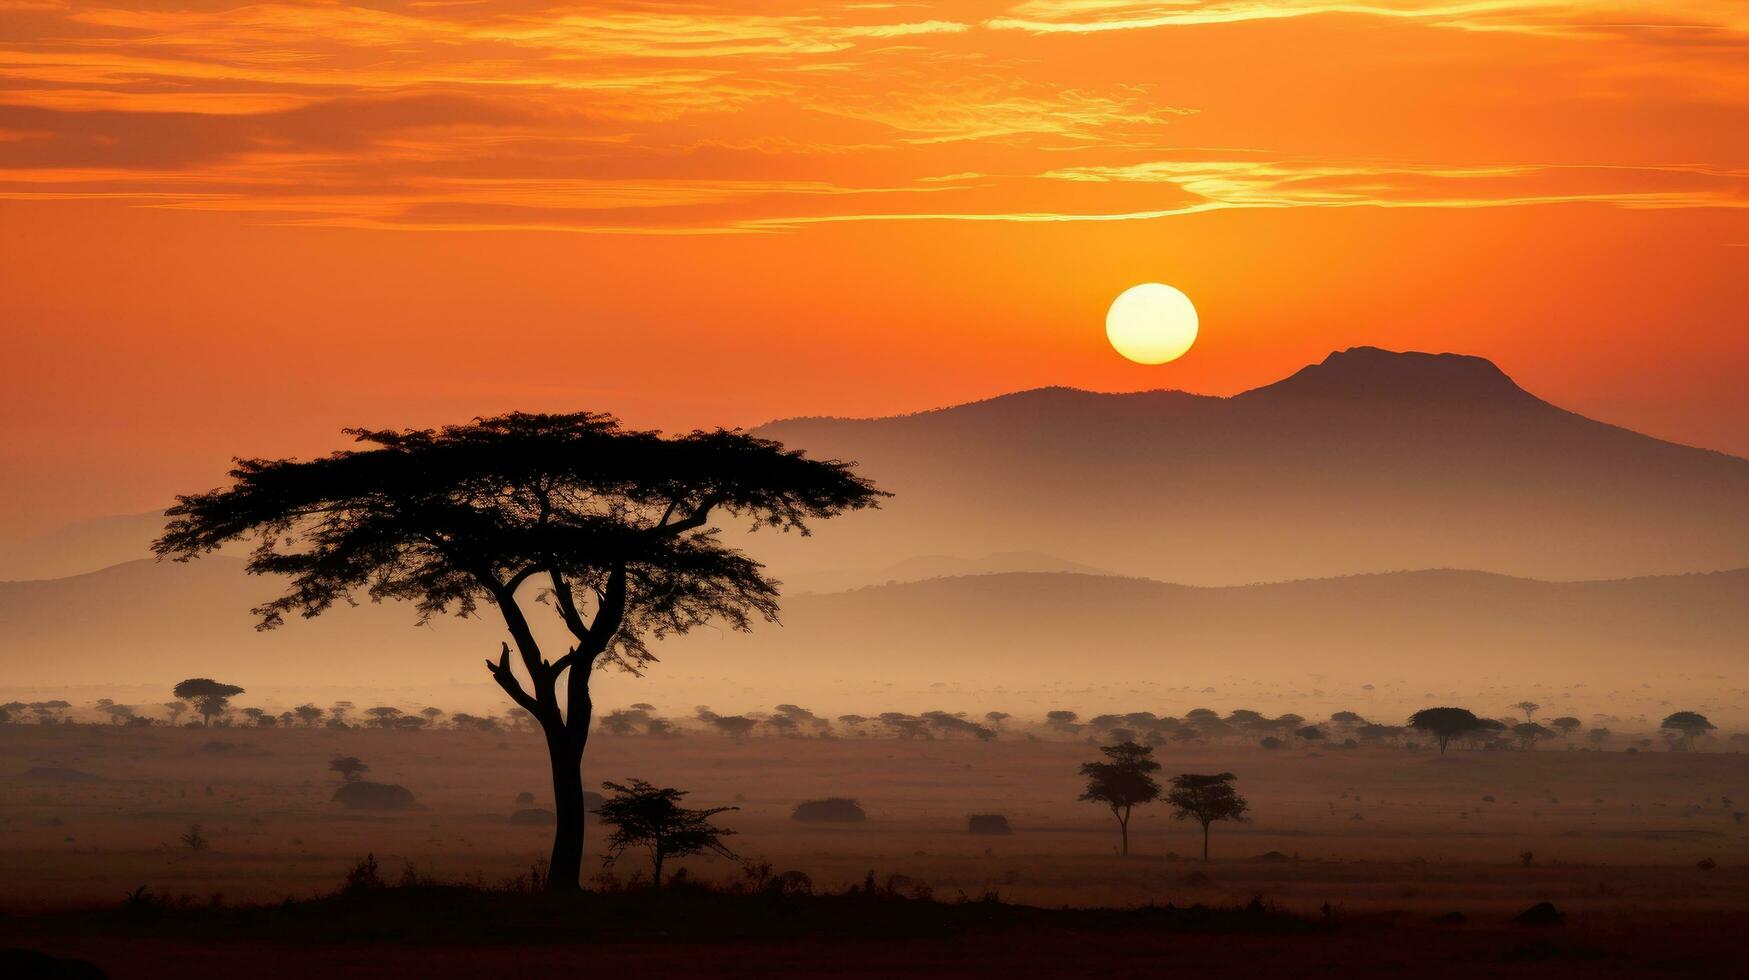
726	118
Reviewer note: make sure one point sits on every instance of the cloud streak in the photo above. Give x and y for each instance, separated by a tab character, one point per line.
634	118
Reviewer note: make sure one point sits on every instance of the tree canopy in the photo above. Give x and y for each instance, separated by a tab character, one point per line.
210	698
1689	724
1445	724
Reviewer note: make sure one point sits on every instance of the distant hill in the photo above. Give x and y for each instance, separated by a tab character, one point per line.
83	546
1367	461
149	622
1370	460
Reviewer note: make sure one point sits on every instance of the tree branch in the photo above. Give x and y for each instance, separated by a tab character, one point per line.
506	679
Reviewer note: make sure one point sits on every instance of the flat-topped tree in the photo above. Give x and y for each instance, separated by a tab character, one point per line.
612	524
1445	724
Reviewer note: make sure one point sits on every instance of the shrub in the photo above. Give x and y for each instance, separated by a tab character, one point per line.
988	823
374	796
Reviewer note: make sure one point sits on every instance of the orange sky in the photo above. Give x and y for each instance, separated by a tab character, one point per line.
233	229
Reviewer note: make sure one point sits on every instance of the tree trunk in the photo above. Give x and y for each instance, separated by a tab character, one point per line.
657	881
1123	827
565	868
1205	843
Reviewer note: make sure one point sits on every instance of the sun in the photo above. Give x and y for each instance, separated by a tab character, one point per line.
1151	323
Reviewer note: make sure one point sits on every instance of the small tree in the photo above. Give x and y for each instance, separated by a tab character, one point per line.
1688	724
349	767
431	715
1566	725
383	716
209	698
1598	736
642	815
308	713
175	710
1445	724
1123	783
1206	799
1530	708
1529	733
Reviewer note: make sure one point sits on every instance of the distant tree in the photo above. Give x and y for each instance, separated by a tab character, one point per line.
383	716
1311	733
1529	733
349	767
734	726
175	709
254	715
208	697
1062	719
642	815
309	714
1598	736
617	524
431	715
1566	725
1347	718
1206	799
1445	724
337	713
1530	708
904	725
1122	783
996	718
117	713
1687	724
286	718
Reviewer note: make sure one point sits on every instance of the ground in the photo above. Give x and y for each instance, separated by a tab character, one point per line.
1370	846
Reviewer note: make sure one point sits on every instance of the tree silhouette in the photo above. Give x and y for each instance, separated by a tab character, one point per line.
1530	708
1689	724
1206	799
1123	783
349	767
1598	736
209	697
383	716
309	714
642	815
1445	724
612	523
175	710
1566	725
1529	733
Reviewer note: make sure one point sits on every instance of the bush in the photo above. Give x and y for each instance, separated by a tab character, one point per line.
988	823
374	796
832	809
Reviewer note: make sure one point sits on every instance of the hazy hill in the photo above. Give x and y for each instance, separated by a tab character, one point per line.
147	622
1369	461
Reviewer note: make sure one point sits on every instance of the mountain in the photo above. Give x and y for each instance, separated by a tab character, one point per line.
153	623
936	566
83	546
1369	460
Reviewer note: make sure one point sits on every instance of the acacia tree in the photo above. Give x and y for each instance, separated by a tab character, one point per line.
643	815
1123	783
1530	708
1566	725
612	525
1206	799
1688	724
1445	724
209	697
